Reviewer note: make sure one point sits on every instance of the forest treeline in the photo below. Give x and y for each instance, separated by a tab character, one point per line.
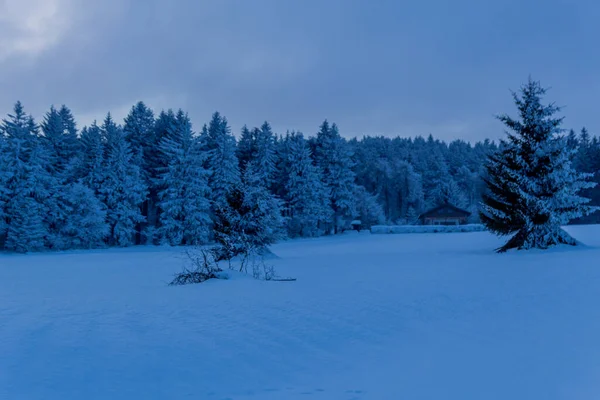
154	179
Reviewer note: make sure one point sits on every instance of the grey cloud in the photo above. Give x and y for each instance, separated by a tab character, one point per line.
373	67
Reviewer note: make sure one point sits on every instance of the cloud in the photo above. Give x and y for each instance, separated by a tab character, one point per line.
29	27
391	68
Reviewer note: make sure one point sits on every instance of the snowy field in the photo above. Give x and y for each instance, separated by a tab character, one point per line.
423	316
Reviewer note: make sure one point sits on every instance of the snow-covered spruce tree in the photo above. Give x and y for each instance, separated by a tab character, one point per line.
139	129
27	230
265	161
258	146
69	225
532	188
122	189
92	163
140	134
155	166
369	210
407	185
5	176
26	183
448	191
333	157
246	147
222	161
307	199
60	137
184	200
249	220
83	225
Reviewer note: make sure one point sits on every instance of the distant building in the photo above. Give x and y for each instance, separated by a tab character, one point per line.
445	214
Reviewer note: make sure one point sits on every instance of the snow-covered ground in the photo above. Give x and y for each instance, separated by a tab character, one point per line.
423	316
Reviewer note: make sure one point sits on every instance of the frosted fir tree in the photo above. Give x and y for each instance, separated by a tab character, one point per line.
246	147
184	200
532	187
27	206
258	146
572	140
405	183
60	138
222	161
369	210
307	199
139	132
92	171
83	225
26	183
448	191
6	172
155	164
263	215
265	161
69	226
249	220
122	189
332	155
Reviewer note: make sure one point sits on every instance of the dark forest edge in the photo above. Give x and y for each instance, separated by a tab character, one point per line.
153	180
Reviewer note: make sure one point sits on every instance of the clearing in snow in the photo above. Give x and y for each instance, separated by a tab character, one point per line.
415	316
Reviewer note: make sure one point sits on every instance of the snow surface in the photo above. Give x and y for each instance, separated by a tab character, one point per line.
424	316
386	229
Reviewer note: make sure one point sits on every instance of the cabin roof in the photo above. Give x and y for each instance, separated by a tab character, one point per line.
445	210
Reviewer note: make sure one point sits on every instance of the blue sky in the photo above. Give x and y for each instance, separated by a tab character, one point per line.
374	67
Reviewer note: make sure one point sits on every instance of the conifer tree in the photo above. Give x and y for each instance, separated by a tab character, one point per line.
27	184
333	157
533	189
92	166
222	161
572	140
139	132
307	199
184	200
155	165
82	221
6	171
249	219
69	225
265	161
57	142
369	210
246	147
122	189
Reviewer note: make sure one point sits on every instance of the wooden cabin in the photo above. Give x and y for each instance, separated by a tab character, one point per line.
445	214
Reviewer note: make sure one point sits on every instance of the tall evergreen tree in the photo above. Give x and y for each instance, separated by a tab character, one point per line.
122	189
222	161
6	172
572	140
532	186
185	195
140	134
61	144
156	164
27	184
369	210
92	166
307	199
333	157
265	161
246	147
